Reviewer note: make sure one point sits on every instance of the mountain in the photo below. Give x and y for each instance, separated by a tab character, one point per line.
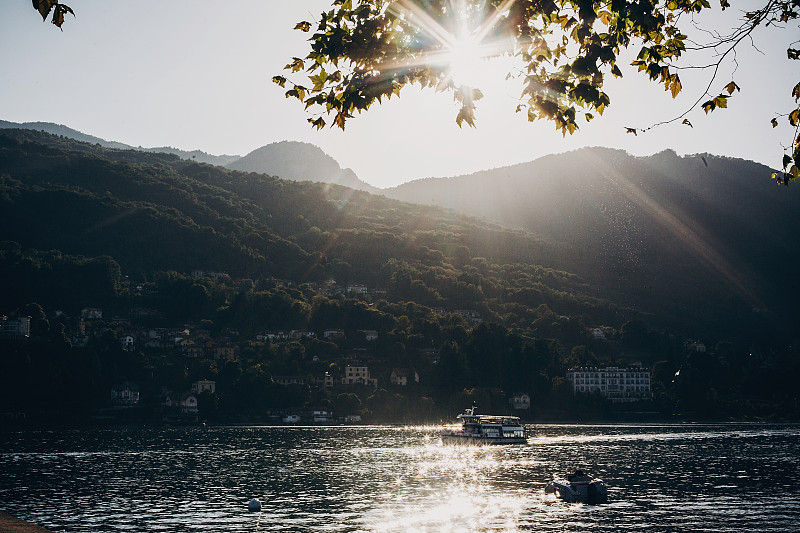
697	237
300	162
151	213
288	159
58	129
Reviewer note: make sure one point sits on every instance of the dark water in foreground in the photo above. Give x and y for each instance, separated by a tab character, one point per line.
732	477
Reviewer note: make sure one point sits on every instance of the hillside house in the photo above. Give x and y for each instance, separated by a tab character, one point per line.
127	342
333	334
357	289
358	375
369	334
225	350
91	313
204	385
520	402
401	376
288	380
324	380
297	334
126	393
184	404
17	329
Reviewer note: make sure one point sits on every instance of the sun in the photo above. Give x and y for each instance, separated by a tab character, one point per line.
467	64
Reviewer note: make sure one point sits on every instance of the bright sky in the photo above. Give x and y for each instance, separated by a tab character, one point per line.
197	75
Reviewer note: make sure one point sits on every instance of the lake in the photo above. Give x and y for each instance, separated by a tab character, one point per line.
682	477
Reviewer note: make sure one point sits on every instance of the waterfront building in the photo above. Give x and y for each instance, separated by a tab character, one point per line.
126	393
615	383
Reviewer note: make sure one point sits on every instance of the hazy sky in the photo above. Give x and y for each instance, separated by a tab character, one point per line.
197	75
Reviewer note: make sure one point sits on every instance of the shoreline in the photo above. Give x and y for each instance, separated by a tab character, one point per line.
12	524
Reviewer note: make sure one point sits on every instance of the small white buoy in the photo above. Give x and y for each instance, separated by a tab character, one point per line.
254	505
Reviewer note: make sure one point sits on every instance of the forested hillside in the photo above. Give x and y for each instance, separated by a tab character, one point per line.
697	242
243	278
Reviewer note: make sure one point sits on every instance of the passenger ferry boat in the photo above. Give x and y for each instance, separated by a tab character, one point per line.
485	429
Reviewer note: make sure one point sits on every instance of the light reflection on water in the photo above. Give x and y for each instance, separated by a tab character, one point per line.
732	477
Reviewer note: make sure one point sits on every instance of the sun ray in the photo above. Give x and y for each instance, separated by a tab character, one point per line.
462	46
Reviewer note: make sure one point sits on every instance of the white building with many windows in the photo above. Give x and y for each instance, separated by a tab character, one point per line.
615	383
358	375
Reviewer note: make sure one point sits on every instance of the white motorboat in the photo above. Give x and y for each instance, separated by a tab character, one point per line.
578	487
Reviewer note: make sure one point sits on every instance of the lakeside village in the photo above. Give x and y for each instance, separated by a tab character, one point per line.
619	385
133	370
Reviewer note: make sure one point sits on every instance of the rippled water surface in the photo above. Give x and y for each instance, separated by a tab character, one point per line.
732	477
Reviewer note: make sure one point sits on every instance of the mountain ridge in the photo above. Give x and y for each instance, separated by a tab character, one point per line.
630	221
299	161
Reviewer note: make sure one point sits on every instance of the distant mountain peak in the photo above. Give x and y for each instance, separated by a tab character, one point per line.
299	161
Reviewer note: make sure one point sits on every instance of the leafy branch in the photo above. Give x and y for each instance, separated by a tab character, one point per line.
365	50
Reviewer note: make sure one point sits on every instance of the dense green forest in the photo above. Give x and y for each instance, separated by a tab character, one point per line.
479	310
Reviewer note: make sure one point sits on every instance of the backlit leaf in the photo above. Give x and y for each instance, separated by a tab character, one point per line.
631	130
675	85
686	121
794	117
43	7
731	87
774	122
58	14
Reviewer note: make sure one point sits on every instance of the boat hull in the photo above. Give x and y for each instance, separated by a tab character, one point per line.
471	439
591	492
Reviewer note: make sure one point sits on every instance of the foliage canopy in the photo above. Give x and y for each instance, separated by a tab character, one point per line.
365	50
